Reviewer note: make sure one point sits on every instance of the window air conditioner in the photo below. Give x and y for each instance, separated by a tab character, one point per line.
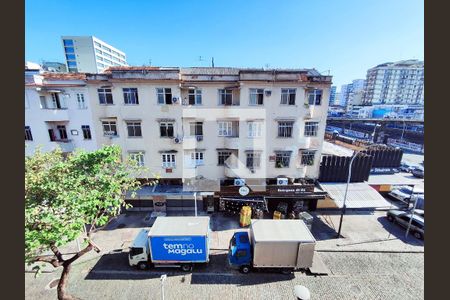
282	181
239	182
268	93
199	138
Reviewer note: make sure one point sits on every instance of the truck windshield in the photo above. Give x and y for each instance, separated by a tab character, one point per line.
136	251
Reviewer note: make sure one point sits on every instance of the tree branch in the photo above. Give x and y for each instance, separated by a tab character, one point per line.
91	245
51	260
58	254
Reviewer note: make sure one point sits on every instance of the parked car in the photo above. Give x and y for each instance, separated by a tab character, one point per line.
404	193
404	217
404	167
418	172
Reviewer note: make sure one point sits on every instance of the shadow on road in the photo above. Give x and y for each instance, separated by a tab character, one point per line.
399	232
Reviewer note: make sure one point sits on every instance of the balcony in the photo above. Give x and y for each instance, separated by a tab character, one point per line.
66	145
54	115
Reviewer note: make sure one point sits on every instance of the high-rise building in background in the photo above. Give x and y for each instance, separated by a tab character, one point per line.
332	99
350	93
395	83
88	54
52	66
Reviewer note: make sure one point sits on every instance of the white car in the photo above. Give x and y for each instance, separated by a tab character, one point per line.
404	193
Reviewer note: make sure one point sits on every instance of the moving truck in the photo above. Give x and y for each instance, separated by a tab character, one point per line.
172	242
284	245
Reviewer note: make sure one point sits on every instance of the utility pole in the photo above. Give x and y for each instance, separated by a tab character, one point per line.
212	62
163	278
413	211
195	203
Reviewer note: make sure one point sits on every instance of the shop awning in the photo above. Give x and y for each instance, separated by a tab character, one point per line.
360	195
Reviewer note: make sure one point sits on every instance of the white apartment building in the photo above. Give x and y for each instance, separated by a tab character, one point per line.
210	126
396	83
352	94
57	112
88	54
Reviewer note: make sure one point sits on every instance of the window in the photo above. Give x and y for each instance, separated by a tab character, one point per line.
105	96
225	97
72	64
315	97
168	160
196	128
68	43
226	128
99	58
282	159
285	128
166	129
311	128
98	51
81	102
109	128
222	157
107	61
43	102
138	157
69	50
307	157
134	129
28	135
70	56
56	101
254	129
62	132
164	95
253	160
86	132
135	251
256	96
130	95
195	97
288	96
97	44
196	158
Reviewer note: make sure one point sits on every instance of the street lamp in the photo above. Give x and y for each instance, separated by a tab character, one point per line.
195	203
373	134
413	211
356	153
163	278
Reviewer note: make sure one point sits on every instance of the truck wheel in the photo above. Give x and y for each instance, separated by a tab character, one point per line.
186	267
142	265
245	269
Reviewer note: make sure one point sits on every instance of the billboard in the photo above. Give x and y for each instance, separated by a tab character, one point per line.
179	248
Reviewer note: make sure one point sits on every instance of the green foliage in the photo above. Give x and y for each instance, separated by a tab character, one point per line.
65	192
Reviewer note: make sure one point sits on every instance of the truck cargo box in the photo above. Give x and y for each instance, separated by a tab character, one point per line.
281	244
179	239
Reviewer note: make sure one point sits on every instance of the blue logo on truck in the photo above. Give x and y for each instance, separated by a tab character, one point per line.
187	248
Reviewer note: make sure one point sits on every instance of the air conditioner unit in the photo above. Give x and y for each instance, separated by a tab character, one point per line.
174	100
110	133
177	140
282	181
268	93
239	182
199	138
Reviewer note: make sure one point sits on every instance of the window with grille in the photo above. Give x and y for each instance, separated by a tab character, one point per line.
138	157
282	159
105	96
256	97
28	135
285	128
130	96
134	129
164	95
86	132
80	101
196	158
254	129
195	97
62	132
311	128
109	128
222	157
307	157
228	128
166	129
168	160
288	96
225	97
253	160
315	97
196	128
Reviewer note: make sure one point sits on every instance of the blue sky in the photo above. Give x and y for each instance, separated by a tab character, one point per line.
346	37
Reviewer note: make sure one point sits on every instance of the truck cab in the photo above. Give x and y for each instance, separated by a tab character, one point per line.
239	252
139	251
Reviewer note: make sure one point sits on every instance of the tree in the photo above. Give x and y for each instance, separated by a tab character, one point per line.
64	193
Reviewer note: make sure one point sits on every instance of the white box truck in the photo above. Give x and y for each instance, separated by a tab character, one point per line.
284	245
172	242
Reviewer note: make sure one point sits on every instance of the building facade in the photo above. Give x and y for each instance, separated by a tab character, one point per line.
399	82
332	101
53	66
210	129
88	54
352	94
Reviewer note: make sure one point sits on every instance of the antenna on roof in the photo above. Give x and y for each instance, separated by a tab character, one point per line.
212	62
150	62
